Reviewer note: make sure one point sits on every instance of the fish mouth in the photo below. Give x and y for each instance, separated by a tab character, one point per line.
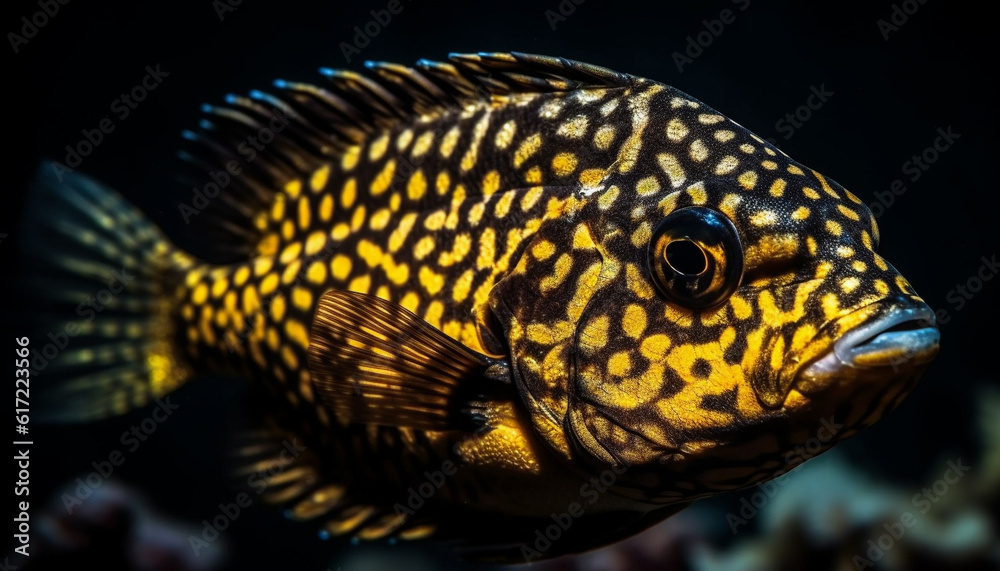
904	337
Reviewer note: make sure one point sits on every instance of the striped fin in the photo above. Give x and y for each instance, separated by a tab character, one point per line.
303	127
99	278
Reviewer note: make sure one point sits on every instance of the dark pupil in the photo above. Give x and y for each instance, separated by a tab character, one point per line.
685	257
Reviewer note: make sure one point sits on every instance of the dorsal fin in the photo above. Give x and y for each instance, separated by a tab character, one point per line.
278	138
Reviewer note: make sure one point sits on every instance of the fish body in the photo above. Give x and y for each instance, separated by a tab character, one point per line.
525	284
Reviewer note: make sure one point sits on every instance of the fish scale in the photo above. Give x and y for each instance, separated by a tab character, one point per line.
538	270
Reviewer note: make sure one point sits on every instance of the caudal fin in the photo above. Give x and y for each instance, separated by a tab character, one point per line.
98	281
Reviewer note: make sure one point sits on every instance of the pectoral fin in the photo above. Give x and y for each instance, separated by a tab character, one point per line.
375	362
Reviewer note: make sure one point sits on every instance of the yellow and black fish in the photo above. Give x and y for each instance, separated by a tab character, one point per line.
505	288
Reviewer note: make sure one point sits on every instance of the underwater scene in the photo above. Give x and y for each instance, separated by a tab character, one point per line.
560	285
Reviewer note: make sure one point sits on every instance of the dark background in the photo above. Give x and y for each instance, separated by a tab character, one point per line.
889	98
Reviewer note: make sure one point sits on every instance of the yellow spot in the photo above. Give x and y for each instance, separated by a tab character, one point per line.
655	347
801	213
575	128
380	219
769	165
360	284
505	134
448	141
777	187
794	170
316	273
378	147
609	107
619	364
747	148
443	183
219	287
404	139
348	193
634	321
433	314
747	180
531	197
287	229
491	182
833	228
543	250
200	294
293	188
423	144
487	249
637	282
291	271
503	205
318	180
273	340
262	265
435	220
699	151
647	186
594	334
847	285
350	158
302	298
402	230
591	178
564	164
550	109
340	267
880	262
278	307
723	135
315	242
763	218
859	266
608	198
848	212
416	186
810	192
697	193
845	251
269	284
340	231
358	218
462	286
672	168
297	333
251	303
727	165
729	204
604	136
709	119
881	287
326	208
527	148
423	247
290	252
278	208
241	276
431	280
384	178
676	130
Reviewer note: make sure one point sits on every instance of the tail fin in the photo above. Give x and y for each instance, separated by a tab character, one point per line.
100	279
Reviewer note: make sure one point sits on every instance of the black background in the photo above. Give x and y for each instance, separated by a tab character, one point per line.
889	98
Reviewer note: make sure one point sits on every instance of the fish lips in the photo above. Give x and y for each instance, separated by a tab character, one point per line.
879	342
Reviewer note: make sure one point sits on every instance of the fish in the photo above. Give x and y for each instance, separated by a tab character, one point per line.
487	298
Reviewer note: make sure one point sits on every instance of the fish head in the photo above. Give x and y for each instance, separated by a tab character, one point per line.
734	308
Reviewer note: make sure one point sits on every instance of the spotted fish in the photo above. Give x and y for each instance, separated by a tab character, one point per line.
481	292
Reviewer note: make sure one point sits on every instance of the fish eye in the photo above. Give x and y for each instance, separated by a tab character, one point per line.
696	257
